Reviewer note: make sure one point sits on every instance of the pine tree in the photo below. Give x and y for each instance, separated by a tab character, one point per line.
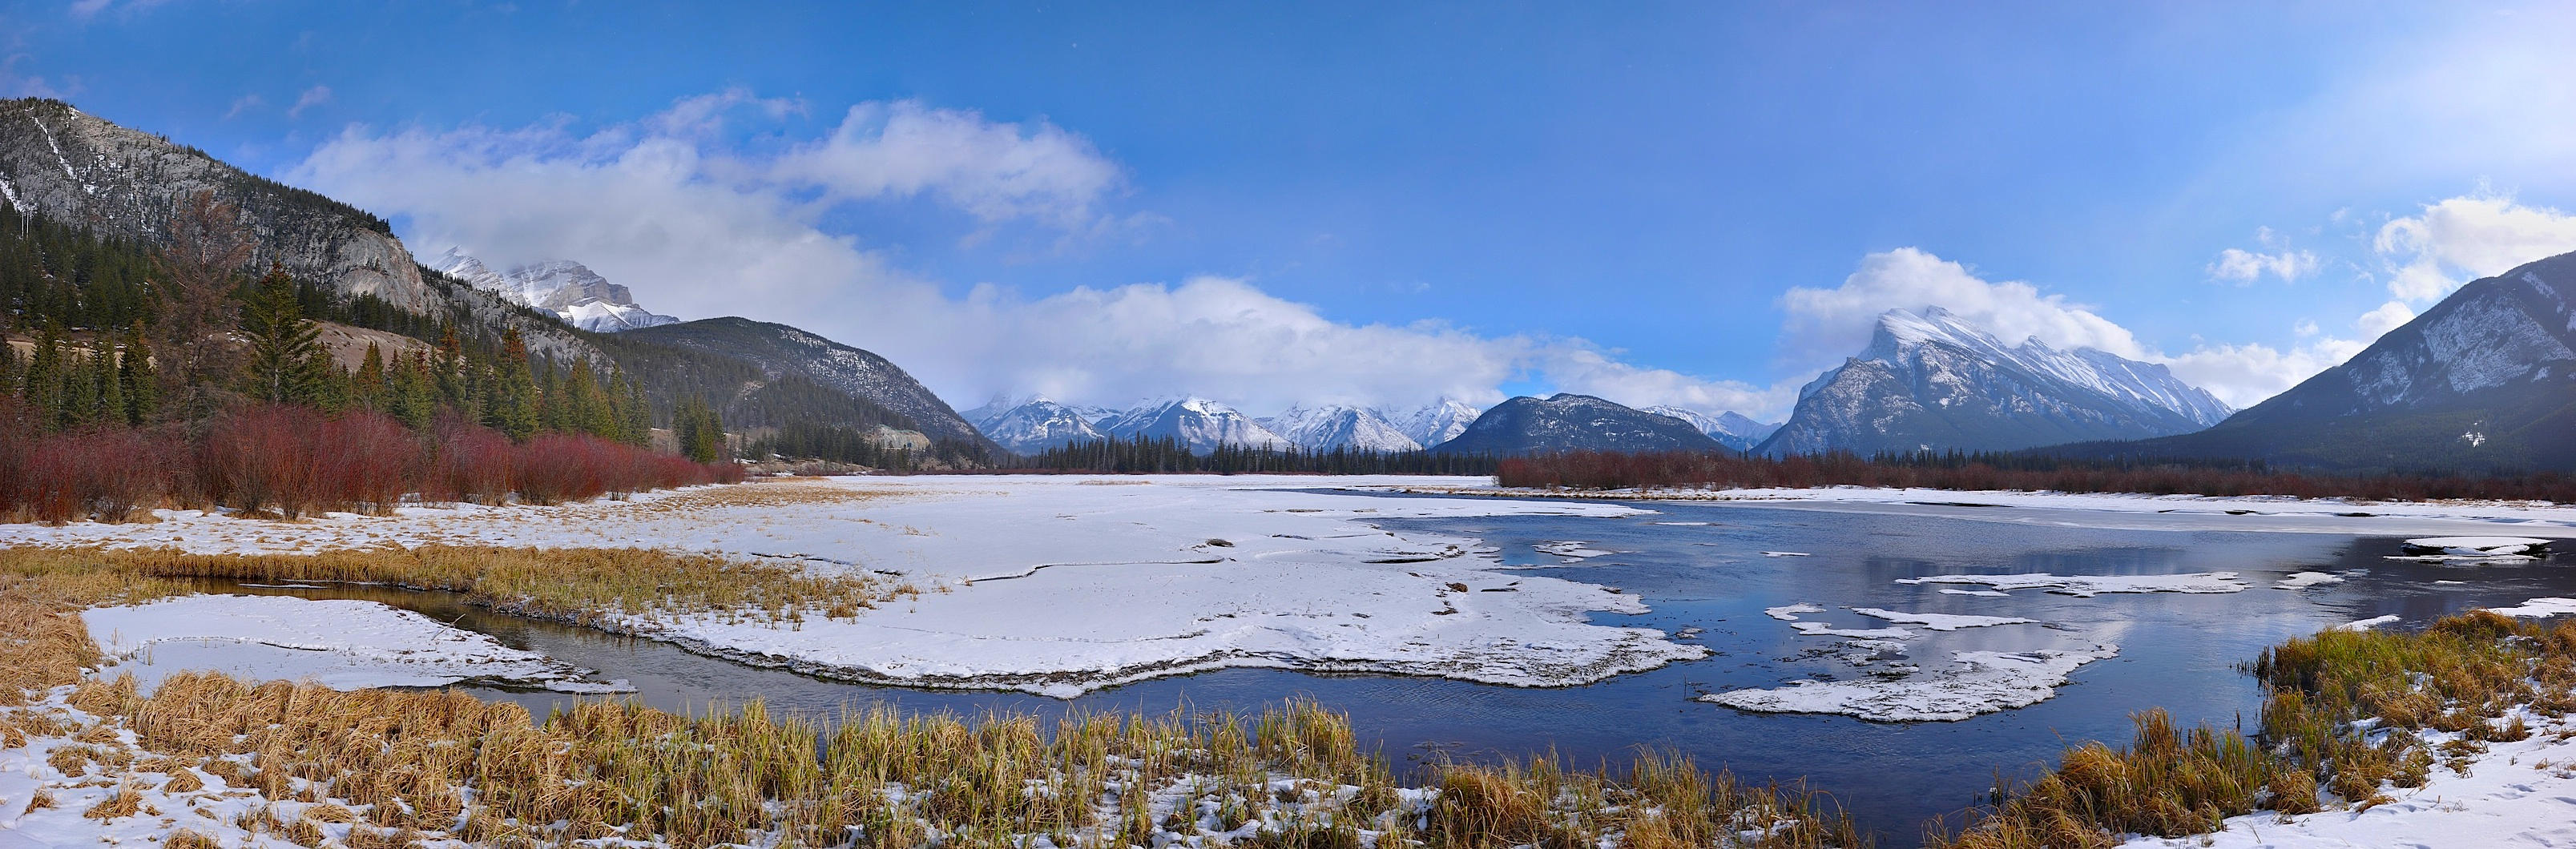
111	386
367	388
287	362
513	390
44	383
136	381
635	423
700	430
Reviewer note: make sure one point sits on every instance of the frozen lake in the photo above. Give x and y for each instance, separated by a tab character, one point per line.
1721	569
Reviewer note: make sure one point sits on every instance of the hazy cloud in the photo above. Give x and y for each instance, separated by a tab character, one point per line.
699	231
2453	241
1825	325
311	97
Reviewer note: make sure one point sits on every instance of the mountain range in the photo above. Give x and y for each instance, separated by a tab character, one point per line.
1031	425
1933	381
1731	429
78	169
568	289
2484	380
1569	422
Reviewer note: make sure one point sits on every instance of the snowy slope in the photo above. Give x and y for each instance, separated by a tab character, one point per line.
1034	425
563	287
1569	422
1934	381
1198	424
1336	426
1731	429
1440	422
2484	380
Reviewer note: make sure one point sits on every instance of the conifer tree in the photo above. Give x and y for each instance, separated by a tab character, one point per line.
700	430
513	391
367	387
135	379
44	382
111	385
287	362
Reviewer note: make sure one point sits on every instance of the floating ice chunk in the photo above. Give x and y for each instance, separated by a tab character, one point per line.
1784	554
1789	612
1987	593
2087	586
1575	549
341	643
1940	621
1820	629
2366	624
2538	608
2479	546
1683	524
1976	682
2304	580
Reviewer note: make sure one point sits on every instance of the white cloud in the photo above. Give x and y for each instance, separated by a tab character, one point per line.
2243	375
2389	316
993	171
311	97
2244	267
2459	239
1825	325
699	231
243	104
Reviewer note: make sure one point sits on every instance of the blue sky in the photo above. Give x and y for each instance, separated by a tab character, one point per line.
1283	203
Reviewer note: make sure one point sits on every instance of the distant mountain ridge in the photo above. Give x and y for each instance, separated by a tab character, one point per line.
1731	429
1034	425
565	288
1199	425
1569	422
1339	426
1933	381
2484	380
782	350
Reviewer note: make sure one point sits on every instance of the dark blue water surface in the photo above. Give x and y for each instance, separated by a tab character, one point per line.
2178	652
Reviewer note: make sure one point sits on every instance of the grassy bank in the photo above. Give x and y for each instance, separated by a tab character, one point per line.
2352	714
389	768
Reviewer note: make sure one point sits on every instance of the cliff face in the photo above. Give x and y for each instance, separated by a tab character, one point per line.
75	168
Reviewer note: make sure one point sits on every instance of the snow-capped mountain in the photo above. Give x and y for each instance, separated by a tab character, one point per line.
563	287
1440	422
1569	422
1198	424
1034	425
2484	380
1934	381
1730	428
1338	426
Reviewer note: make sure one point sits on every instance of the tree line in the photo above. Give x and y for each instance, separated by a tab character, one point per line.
174	354
1955	470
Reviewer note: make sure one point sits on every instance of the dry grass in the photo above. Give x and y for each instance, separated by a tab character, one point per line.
593	586
2463	676
401	767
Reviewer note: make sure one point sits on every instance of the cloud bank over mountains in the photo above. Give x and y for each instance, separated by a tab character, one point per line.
678	207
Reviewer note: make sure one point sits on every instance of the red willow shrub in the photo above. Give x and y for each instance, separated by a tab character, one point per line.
1616	470
294	461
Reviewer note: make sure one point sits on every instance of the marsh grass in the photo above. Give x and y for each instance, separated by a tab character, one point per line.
2348	716
591	586
393	768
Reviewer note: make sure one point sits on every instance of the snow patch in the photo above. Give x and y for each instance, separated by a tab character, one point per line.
2366	624
2303	580
1941	621
343	644
2087	586
1976	682
2538	608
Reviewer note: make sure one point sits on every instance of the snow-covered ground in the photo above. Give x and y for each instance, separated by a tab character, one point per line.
2112	510
2515	794
341	644
1058	584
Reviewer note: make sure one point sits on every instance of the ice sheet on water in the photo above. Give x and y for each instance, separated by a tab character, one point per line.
1941	621
2090	585
1975	682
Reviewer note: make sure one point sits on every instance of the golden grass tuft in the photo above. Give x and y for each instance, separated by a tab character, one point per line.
2465	674
188	839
